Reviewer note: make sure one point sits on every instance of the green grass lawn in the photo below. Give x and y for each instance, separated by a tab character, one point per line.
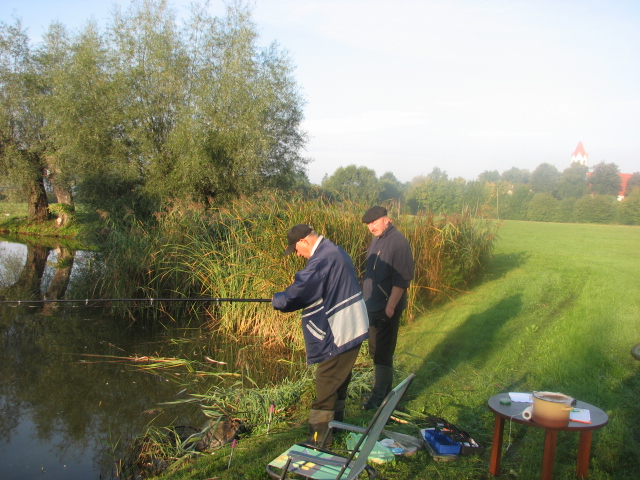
9	212
13	221
559	310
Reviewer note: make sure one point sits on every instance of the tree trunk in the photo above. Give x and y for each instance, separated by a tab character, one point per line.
61	278
38	204
62	190
28	285
63	194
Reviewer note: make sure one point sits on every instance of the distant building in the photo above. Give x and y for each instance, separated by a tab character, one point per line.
624	178
580	155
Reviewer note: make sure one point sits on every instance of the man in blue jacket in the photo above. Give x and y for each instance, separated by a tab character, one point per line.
334	321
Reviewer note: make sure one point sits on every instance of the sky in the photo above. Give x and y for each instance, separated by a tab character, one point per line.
466	86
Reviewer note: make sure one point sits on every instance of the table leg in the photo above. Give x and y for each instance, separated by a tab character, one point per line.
584	450
496	448
549	454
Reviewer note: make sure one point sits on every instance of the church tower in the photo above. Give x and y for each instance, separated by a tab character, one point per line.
580	155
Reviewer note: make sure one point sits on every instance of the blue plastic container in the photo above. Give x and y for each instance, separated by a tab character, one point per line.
441	443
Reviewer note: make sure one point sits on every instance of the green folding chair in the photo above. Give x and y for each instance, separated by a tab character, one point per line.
321	464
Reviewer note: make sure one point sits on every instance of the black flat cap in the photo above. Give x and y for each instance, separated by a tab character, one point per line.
296	233
373	214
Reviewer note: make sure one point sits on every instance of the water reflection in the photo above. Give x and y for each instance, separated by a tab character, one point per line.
33	271
67	405
12	257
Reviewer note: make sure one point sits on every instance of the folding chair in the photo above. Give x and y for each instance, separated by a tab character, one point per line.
321	464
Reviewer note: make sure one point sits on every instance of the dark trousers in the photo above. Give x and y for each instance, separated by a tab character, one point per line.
383	337
332	379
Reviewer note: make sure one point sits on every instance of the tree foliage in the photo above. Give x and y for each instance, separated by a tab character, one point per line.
490	176
543	207
544	178
22	146
475	196
353	183
573	181
605	179
630	208
509	199
390	188
149	111
515	205
434	193
516	176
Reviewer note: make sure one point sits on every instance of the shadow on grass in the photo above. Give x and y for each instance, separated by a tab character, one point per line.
503	263
471	342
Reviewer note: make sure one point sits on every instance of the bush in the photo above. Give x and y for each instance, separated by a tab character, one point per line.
544	208
566	210
629	210
595	209
515	205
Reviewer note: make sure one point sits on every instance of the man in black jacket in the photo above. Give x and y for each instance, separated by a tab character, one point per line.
388	273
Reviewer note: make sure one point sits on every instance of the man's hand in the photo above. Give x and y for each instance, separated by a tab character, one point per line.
389	311
392	303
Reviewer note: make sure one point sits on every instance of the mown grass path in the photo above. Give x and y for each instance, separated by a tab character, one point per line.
559	309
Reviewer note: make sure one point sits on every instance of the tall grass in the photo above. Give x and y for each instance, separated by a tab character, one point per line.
236	252
450	253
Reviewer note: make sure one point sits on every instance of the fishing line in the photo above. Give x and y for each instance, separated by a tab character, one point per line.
87	301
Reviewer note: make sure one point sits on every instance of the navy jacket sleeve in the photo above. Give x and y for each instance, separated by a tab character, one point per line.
304	291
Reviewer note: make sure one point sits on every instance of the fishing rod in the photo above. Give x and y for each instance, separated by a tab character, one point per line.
87	301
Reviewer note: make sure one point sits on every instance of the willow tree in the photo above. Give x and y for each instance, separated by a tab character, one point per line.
22	144
80	106
240	129
208	115
51	57
150	111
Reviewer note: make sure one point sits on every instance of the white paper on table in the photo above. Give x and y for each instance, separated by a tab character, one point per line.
520	397
581	415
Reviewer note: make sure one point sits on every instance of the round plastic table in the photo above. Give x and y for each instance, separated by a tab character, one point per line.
513	413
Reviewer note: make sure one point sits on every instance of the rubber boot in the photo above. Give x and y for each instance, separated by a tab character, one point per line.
338	414
320	435
382	384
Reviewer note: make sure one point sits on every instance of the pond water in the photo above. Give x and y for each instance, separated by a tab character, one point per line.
71	399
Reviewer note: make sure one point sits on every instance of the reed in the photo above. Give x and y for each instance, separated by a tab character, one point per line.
236	252
449	252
